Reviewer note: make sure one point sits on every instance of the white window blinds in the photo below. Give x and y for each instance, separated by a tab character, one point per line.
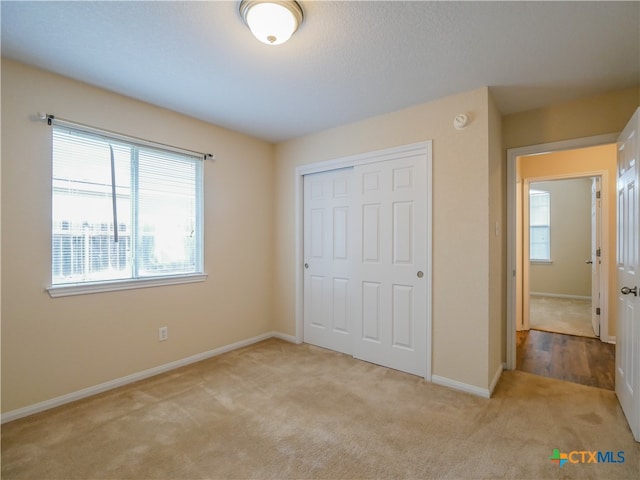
539	225
121	210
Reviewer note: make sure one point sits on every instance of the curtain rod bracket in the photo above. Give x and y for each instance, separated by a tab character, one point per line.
46	116
88	128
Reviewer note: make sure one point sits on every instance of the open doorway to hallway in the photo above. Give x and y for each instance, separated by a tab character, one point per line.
564	267
556	326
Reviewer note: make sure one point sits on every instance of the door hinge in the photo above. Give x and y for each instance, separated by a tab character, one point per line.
598	194
597	252
597	310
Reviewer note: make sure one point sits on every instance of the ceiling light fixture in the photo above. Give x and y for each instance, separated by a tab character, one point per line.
271	21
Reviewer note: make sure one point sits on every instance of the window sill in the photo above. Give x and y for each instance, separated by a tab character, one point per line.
115	285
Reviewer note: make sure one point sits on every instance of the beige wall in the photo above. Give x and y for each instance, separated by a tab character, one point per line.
585	117
584	161
570	212
52	347
461	218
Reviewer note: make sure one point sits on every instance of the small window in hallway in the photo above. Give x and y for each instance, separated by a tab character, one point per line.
539	226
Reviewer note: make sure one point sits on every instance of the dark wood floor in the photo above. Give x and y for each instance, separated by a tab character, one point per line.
583	360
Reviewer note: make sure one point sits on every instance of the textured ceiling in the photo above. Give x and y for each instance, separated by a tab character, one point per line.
348	61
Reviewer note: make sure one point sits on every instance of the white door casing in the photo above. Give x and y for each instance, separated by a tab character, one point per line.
599	239
595	254
628	272
525	297
327	251
412	300
390	300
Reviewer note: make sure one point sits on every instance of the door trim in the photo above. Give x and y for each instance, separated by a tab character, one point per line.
420	148
604	244
512	155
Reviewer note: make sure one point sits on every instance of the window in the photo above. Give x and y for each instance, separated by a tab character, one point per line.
539	226
123	212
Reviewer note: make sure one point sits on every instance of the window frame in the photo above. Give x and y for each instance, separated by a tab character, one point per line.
98	286
547	226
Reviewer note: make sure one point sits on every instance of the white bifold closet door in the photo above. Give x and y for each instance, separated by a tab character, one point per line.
365	252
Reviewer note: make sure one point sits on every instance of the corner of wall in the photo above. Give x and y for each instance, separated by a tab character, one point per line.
498	242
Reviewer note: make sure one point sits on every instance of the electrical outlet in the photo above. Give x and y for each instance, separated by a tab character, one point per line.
163	333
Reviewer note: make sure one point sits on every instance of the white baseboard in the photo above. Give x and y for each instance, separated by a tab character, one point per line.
559	295
463	387
119	382
286	338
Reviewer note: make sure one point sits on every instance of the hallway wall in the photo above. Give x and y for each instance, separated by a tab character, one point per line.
570	240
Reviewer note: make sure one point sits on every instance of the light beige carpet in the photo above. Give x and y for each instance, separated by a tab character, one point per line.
561	315
277	410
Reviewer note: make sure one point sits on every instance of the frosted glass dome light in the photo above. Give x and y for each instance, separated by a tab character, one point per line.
272	22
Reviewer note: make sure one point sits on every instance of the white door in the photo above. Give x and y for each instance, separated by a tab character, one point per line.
628	281
390	210
595	255
328	228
